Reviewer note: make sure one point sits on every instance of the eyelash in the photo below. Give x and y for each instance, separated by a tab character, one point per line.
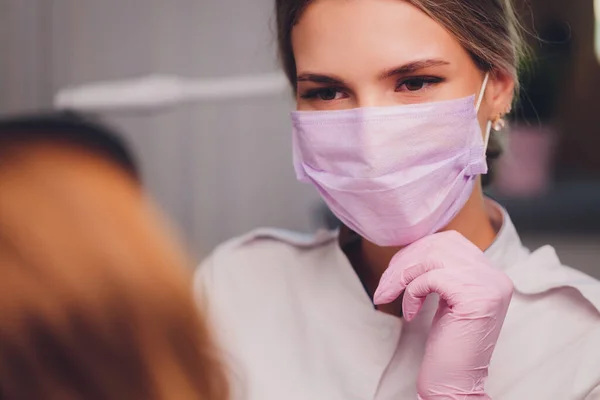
315	93
429	80
425	80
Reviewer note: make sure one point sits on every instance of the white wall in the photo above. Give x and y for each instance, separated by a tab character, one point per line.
219	168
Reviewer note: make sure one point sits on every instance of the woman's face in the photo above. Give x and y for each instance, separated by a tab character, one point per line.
365	53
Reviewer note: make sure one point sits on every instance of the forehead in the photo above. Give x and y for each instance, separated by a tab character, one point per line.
334	35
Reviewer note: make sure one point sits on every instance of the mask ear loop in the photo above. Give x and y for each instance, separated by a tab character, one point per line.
488	128
482	91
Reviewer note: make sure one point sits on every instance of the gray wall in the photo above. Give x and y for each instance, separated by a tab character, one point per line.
220	168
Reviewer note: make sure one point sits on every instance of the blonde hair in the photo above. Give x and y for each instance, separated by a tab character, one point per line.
95	299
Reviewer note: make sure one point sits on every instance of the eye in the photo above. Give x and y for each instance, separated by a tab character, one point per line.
328	94
417	83
325	94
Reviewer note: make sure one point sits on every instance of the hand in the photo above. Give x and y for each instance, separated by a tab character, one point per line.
474	299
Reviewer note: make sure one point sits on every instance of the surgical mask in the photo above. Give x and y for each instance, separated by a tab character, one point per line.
393	174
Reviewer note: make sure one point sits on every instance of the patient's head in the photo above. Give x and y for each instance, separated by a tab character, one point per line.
95	300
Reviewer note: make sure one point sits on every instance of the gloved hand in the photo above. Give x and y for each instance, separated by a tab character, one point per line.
474	299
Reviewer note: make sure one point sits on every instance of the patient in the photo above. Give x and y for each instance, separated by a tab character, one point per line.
95	300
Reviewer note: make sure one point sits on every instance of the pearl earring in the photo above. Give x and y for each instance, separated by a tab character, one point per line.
498	123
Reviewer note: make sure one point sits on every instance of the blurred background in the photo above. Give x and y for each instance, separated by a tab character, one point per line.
222	167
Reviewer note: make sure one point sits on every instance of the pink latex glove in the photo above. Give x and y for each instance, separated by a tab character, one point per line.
474	298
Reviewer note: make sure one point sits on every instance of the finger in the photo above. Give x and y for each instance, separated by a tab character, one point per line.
392	284
410	274
389	287
438	281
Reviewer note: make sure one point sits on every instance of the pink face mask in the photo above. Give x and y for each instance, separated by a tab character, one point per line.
393	174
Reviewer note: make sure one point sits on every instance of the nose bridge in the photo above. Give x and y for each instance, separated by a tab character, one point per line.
374	93
367	87
369	94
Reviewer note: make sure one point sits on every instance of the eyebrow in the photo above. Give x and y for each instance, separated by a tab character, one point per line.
413	67
319	78
409	68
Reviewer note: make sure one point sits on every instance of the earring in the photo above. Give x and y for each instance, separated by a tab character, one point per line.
498	123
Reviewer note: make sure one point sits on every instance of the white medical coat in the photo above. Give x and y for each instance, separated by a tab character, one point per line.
295	323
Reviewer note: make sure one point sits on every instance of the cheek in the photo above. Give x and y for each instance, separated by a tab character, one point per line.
484	119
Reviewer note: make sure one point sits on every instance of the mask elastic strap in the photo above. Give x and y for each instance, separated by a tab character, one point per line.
488	127
482	92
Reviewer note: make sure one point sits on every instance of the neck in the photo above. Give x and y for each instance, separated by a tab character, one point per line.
473	222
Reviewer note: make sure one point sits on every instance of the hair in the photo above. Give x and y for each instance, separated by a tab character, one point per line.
95	297
72	127
488	29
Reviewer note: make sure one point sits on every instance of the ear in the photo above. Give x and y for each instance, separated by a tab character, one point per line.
499	94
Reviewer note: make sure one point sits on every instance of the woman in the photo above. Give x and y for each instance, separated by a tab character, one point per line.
396	100
94	296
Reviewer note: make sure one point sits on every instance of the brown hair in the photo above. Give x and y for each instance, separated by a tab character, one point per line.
488	29
95	299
